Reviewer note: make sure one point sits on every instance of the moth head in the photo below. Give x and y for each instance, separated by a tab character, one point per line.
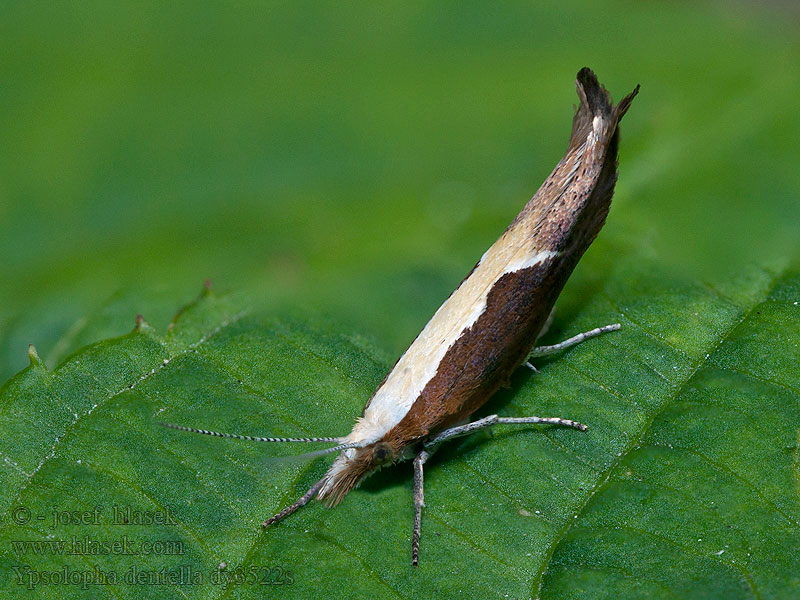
352	466
382	453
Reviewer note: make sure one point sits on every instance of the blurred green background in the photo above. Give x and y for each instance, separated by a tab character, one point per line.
356	159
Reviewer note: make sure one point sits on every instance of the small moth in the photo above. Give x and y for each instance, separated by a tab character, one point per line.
488	326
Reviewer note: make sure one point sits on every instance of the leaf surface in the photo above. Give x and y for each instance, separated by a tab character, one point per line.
686	483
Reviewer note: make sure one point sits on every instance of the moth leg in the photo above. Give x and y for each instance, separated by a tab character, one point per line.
419	502
485	422
574	340
297	504
430	446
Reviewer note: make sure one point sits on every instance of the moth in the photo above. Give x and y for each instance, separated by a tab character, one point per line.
488	326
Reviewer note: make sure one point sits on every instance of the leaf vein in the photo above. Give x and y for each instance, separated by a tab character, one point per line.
636	439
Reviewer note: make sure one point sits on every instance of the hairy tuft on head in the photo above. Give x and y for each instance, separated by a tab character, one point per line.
350	468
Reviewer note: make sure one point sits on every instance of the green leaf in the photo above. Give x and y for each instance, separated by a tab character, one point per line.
686	483
358	159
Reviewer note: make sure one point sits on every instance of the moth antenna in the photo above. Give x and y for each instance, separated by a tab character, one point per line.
305	455
250	438
299	503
